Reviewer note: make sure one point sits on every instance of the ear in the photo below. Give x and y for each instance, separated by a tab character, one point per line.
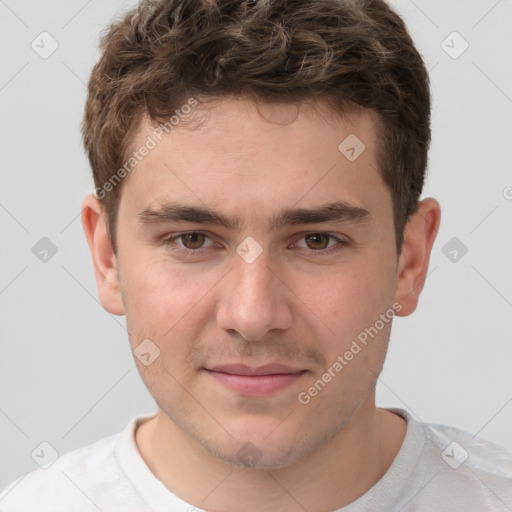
103	257
420	233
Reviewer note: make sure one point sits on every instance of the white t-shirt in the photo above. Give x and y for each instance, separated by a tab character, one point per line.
438	468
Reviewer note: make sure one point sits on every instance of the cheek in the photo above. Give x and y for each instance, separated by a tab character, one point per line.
162	301
347	299
350	302
163	304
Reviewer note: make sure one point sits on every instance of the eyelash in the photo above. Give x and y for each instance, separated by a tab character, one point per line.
167	241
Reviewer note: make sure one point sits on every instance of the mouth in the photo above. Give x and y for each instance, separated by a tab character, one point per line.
255	381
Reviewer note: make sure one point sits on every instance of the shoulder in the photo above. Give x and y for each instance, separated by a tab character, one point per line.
460	448
440	466
470	471
76	478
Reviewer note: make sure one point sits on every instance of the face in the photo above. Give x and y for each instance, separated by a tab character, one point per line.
252	311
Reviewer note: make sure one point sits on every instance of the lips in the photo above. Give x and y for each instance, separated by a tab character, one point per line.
257	381
267	369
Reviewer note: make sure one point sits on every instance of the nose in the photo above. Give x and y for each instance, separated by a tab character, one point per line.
253	300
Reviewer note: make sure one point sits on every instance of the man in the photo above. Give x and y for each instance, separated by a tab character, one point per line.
257	218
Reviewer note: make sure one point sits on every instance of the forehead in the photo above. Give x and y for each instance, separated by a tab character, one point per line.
233	149
240	116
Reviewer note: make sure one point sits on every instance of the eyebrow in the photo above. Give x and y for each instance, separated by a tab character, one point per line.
171	213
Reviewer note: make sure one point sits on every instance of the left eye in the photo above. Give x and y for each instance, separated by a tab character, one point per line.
193	240
320	241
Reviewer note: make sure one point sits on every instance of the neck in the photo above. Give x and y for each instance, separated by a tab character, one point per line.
336	474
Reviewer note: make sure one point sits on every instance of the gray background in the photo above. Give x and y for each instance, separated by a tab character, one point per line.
66	373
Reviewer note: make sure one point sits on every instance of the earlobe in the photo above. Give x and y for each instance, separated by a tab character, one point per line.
420	234
103	258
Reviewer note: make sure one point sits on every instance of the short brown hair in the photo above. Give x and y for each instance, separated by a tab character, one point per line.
348	52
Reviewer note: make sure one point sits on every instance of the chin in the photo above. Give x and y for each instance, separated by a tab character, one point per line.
266	451
250	456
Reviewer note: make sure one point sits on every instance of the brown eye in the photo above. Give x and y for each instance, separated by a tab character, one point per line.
192	243
193	240
317	241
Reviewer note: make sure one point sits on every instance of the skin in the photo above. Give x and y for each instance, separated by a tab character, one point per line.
294	304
